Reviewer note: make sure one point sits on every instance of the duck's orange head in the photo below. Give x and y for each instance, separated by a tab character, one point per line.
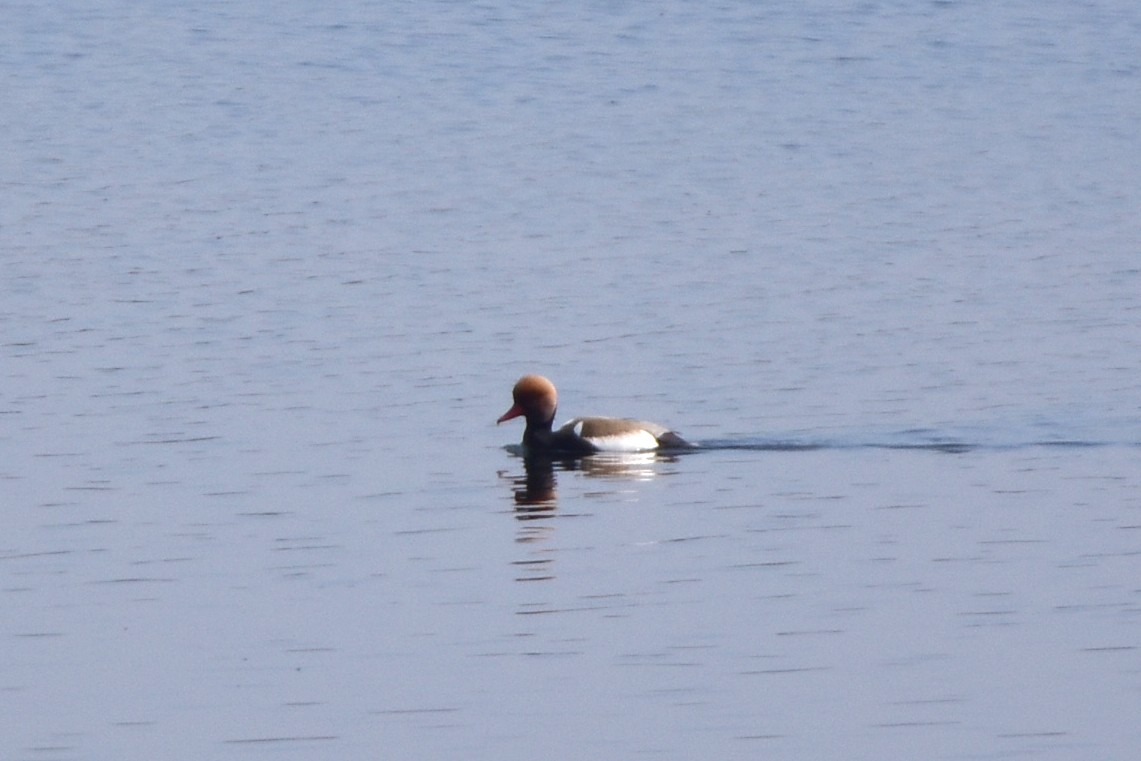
535	399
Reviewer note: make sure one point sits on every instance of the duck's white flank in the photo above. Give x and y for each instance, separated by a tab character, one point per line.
637	440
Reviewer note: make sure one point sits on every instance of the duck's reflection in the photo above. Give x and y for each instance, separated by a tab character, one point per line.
536	490
536	494
536	499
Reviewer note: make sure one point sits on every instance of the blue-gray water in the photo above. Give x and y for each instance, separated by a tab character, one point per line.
269	271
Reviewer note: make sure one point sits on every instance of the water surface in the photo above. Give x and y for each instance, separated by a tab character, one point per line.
270	272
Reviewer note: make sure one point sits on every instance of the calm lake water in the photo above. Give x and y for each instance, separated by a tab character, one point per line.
270	271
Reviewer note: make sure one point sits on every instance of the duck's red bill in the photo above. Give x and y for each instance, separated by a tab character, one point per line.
514	412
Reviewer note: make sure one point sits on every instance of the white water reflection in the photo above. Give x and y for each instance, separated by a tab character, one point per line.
538	484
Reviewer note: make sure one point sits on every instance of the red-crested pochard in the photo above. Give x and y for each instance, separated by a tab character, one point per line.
536	399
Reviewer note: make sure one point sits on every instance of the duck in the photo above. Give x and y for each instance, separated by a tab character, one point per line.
536	400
